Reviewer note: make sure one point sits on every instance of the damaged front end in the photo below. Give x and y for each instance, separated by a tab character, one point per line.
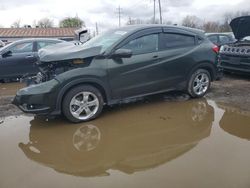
41	94
61	58
49	70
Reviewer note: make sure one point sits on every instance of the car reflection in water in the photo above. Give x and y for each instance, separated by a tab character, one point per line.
129	139
236	122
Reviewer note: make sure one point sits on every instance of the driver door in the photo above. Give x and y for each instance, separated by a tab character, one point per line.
135	76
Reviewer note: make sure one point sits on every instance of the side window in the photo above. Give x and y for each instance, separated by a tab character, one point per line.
213	39
144	44
174	40
224	39
43	44
22	47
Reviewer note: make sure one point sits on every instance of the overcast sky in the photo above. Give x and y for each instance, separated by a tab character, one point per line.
104	11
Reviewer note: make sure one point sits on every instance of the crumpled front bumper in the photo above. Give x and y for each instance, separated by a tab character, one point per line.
37	99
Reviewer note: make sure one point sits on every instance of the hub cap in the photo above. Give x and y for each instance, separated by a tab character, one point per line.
84	105
201	83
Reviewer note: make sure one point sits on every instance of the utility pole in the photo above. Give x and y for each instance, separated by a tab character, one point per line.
154	13
119	12
160	11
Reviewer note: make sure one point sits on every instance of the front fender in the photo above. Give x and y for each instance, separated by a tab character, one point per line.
70	79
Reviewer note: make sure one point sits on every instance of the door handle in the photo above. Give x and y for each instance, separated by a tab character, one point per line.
155	56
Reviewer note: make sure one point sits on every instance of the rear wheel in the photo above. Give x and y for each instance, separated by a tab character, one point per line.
82	103
199	83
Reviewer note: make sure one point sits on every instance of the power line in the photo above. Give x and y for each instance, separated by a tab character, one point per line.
119	12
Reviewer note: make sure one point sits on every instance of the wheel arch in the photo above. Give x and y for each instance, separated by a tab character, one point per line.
102	87
210	67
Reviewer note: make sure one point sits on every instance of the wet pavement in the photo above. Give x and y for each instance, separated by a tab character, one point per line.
157	143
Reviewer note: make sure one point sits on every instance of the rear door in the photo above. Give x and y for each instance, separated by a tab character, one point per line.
177	55
20	61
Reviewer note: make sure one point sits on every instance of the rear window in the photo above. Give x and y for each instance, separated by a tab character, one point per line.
213	39
43	44
173	40
224	39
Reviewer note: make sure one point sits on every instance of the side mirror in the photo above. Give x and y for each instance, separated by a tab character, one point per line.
122	53
7	54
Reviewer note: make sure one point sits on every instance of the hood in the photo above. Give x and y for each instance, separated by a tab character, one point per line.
67	51
241	27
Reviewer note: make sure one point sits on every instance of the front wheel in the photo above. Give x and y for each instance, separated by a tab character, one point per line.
82	103
199	83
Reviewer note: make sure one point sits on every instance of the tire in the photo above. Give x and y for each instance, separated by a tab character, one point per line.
82	103
199	83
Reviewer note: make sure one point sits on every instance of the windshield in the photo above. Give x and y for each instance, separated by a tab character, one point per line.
6	47
105	40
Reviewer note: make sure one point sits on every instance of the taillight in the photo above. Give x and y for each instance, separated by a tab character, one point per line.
216	49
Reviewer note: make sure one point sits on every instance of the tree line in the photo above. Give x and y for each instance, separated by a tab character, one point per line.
188	21
195	22
67	22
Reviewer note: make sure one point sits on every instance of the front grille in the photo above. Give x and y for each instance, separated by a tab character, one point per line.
236	51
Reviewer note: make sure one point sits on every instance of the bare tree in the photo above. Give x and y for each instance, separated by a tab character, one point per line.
45	23
135	21
225	27
212	26
192	21
16	24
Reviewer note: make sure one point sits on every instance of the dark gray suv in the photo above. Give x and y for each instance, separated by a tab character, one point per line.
121	64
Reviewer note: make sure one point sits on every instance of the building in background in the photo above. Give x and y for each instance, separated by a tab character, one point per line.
9	35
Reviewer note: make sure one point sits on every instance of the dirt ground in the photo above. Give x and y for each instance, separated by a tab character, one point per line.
165	140
232	90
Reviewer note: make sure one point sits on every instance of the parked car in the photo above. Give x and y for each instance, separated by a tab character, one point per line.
121	64
2	44
236	57
18	58
220	39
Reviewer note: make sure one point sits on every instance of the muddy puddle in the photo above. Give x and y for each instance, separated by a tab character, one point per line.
10	89
186	143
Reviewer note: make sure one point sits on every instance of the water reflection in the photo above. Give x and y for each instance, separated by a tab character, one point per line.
131	139
236	122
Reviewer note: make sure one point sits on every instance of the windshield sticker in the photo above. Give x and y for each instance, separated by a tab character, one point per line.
120	32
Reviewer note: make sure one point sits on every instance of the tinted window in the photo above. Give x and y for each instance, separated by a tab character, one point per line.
224	39
172	40
22	47
43	44
142	45
213	39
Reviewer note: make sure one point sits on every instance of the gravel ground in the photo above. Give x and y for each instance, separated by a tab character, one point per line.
232	90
